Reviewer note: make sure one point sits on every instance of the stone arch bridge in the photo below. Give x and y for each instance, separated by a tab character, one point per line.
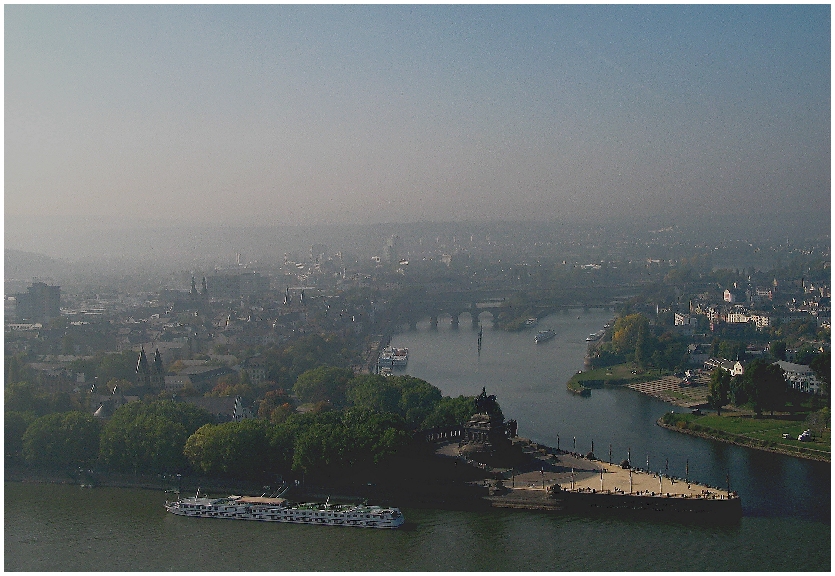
456	307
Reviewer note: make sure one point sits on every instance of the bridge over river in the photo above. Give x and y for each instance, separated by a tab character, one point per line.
456	307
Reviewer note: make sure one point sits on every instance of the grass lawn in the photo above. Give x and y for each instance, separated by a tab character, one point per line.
764	432
617	374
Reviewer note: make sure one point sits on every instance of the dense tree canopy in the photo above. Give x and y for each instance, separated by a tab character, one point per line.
27	397
411	398
821	364
374	393
718	388
14	427
250	449
120	366
325	383
762	386
62	439
451	412
327	442
285	365
330	441
150	437
275	406
635	340
627	332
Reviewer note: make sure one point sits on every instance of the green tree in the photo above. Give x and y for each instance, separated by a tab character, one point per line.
821	365
275	406
15	368
766	385
62	439
205	450
332	441
626	332
27	397
418	399
641	345
718	389
14	427
732	349
307	352
451	412
778	349
146	442
374	393
250	449
740	390
325	383
21	397
150	437
119	366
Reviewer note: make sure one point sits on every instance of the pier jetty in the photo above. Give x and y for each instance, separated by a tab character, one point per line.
518	473
558	480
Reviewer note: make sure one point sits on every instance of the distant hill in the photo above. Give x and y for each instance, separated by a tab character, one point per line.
22	267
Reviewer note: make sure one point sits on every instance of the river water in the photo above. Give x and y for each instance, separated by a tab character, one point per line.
786	502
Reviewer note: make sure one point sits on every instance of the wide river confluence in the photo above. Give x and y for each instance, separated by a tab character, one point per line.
786	501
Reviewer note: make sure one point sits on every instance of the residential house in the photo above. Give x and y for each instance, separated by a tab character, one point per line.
800	377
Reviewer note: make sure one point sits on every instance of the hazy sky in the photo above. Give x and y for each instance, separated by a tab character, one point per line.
302	114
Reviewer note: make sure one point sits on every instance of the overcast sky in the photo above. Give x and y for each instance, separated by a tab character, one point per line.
311	114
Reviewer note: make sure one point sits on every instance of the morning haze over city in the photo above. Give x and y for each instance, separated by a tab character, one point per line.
179	116
312	234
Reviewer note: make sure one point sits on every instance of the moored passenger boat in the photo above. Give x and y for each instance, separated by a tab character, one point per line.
400	356
391	357
268	509
544	336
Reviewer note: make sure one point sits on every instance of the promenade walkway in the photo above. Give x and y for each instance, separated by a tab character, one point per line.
573	472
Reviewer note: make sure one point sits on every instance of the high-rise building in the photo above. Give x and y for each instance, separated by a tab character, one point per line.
40	303
391	251
318	253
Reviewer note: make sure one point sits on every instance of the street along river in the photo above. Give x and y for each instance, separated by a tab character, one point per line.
786	502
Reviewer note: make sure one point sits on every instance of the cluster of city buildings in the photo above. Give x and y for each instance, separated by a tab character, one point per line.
760	306
190	331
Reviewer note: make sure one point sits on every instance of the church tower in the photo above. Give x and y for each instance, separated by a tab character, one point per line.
147	375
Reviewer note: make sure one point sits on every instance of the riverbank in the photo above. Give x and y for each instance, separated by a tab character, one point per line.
546	479
685	393
418	482
747	442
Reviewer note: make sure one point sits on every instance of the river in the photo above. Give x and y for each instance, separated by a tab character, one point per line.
786	502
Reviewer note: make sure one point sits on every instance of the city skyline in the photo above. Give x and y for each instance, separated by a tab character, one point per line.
265	115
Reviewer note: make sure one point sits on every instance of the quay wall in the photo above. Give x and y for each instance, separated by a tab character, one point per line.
712	509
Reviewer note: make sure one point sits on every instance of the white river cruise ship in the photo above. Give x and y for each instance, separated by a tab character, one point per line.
269	509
